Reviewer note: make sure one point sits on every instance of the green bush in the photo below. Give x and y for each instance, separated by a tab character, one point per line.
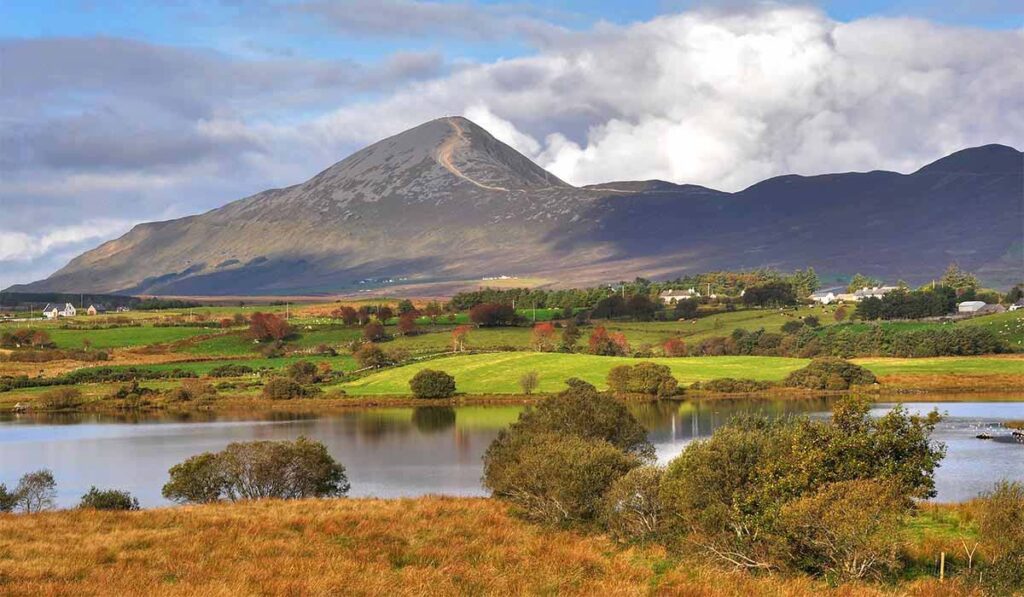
847	530
729	385
304	372
830	373
726	494
632	508
1001	528
60	399
428	383
555	479
108	499
283	388
257	470
230	370
643	378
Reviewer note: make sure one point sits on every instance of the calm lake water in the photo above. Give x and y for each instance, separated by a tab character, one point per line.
414	451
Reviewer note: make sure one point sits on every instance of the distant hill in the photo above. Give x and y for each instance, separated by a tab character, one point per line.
447	202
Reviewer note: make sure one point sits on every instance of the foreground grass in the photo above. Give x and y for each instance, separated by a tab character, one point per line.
425	546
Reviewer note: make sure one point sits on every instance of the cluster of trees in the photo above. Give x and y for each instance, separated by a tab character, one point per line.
830	373
268	327
493	314
432	384
909	304
26	338
37	492
156	304
850	341
572	298
255	470
638	307
819	496
603	343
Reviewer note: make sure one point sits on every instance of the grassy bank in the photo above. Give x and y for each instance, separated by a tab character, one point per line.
499	373
435	546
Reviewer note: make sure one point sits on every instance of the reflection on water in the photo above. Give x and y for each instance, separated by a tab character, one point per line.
413	451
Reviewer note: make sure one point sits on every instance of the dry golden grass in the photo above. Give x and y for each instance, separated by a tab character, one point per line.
427	546
962	383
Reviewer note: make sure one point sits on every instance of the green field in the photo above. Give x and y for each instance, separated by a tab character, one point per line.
338	363
498	373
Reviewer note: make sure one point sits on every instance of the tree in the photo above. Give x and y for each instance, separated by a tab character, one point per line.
429	383
840	314
792	326
303	372
493	314
543	337
570	336
603	343
859	281
686	308
829	373
632	509
459	336
407	323
36	491
529	381
268	326
674	347
283	388
848	530
8	499
643	378
805	282
384	313
346	314
1015	294
370	355
554	479
108	499
958	279
257	470
433	310
405	306
770	294
374	331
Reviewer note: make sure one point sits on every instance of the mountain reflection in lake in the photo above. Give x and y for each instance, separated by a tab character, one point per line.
391	452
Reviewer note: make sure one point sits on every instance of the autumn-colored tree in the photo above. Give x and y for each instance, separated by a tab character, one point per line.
226	322
268	326
603	343
373	331
459	336
384	313
407	323
347	315
674	347
492	314
840	314
543	338
363	315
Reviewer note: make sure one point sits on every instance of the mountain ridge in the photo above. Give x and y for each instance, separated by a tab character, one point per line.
447	201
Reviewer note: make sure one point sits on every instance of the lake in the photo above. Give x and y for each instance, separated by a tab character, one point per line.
392	452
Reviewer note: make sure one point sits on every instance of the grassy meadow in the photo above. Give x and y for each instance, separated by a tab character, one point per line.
432	545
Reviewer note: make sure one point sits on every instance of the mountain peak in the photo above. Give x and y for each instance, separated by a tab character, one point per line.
984	159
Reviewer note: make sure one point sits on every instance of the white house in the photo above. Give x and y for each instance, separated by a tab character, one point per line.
1018	305
673	296
970	306
825	297
51	310
873	292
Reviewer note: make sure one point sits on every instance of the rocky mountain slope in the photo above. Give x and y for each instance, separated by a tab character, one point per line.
446	201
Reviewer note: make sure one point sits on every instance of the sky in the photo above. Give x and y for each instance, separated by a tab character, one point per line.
119	112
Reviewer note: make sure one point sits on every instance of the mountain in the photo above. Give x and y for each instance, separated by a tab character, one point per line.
446	202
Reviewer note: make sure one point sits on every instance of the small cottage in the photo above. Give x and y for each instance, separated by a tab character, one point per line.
96	309
673	296
52	311
825	297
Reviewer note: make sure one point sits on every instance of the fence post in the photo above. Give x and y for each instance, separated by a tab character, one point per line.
942	567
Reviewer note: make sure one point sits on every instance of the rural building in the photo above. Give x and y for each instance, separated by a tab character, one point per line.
1018	305
51	311
825	297
970	306
874	292
96	309
672	296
